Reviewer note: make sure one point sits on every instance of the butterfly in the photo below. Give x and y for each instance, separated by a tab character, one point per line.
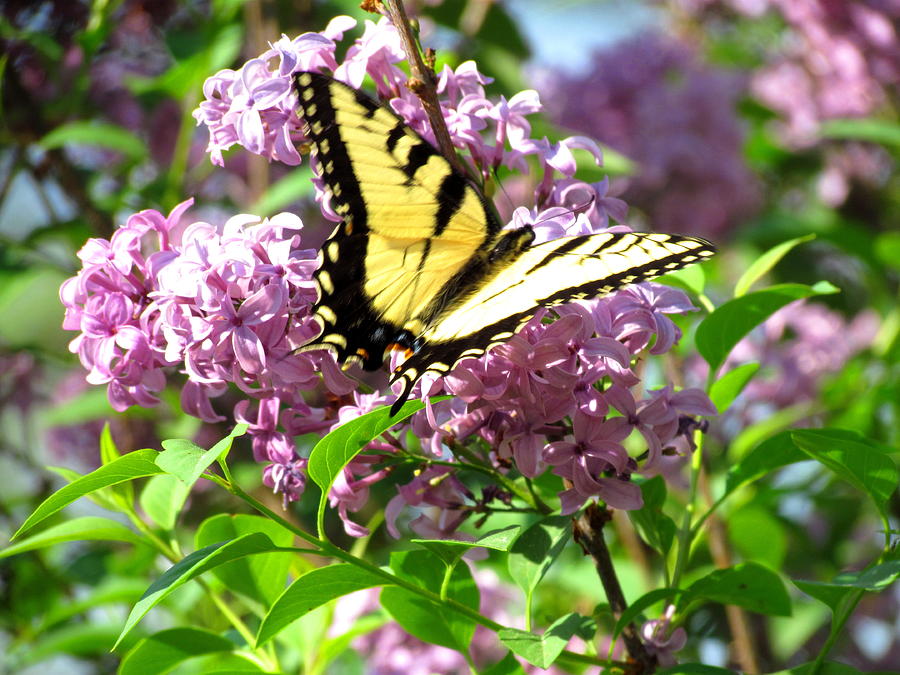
420	263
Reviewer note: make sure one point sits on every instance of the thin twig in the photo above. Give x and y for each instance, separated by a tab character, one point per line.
423	83
588	530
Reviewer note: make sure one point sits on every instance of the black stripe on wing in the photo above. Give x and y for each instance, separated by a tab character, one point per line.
316	107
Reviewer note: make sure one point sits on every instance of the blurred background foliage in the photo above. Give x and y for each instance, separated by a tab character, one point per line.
749	123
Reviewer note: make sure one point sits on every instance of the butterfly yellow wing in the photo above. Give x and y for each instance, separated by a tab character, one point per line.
412	226
544	275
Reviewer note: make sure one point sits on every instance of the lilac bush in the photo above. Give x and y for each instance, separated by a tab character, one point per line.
230	305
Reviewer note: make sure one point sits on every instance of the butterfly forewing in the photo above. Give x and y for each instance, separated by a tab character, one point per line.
410	225
545	275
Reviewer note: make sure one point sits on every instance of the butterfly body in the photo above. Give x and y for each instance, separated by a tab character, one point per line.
421	264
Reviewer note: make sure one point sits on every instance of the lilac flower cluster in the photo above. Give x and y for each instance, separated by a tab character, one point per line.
226	307
231	305
651	98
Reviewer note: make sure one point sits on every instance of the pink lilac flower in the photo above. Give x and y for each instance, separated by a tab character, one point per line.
691	176
661	641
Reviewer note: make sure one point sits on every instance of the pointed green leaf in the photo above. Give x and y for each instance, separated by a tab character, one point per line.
884	132
655	527
331	454
311	590
859	463
748	585
766	262
162	498
135	464
542	650
426	620
771	454
86	528
719	332
508	665
535	550
192	566
450	550
162	651
873	579
728	386
188	461
260	577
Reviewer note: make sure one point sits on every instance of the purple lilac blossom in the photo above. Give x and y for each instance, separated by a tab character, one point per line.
651	98
230	305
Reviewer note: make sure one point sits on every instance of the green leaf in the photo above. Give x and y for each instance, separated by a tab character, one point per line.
135	464
655	527
536	549
112	591
691	279
758	535
764	263
508	665
874	579
728	386
294	186
98	134
542	650
884	132
719	332
311	590
86	528
162	499
162	651
188	461
771	454
748	585
261	577
867	468
450	550
192	566
434	623
331	454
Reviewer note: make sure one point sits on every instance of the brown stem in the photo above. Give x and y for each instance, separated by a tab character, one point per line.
423	83
744	651
588	531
